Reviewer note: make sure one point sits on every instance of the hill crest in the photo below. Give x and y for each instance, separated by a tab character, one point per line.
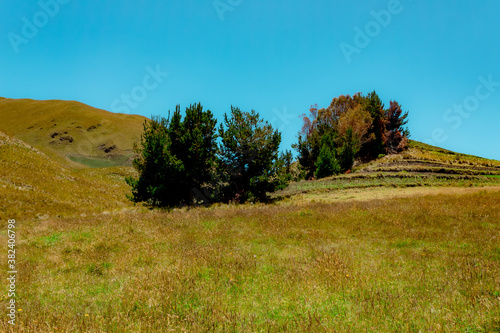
85	134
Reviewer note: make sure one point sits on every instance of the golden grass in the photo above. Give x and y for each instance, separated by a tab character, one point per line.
47	123
423	263
33	183
430	153
383	193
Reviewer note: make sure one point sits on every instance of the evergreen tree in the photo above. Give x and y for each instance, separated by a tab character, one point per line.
196	148
283	166
377	146
158	169
326	164
176	158
347	151
247	153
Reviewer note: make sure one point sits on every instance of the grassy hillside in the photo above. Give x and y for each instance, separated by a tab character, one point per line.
45	185
423	158
421	165
82	133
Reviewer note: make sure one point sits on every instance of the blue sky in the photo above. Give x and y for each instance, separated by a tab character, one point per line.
439	60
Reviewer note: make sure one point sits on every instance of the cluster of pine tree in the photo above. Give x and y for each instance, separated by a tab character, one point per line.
186	161
351	127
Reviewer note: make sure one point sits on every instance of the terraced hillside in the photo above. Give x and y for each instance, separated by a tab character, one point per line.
82	133
421	165
423	158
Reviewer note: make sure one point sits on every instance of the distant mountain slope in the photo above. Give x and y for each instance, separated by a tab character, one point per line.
84	134
34	183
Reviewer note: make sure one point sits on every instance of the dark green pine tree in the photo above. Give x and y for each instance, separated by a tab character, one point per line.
176	158
347	151
158	169
247	155
326	163
375	147
193	142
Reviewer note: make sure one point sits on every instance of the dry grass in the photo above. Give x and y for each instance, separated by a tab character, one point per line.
72	129
35	183
428	263
383	193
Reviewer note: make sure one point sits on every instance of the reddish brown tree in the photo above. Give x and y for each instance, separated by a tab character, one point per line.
396	135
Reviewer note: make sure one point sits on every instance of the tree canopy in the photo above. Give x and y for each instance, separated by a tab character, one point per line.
185	161
247	154
360	128
175	156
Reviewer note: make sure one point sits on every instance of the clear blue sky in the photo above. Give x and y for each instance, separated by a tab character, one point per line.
438	59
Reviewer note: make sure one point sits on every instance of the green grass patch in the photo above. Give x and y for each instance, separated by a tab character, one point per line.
95	162
51	239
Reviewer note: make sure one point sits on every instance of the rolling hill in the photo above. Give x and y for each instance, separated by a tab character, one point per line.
42	184
47	147
84	134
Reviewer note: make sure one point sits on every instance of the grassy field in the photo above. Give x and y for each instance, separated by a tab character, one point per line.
396	246
426	263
